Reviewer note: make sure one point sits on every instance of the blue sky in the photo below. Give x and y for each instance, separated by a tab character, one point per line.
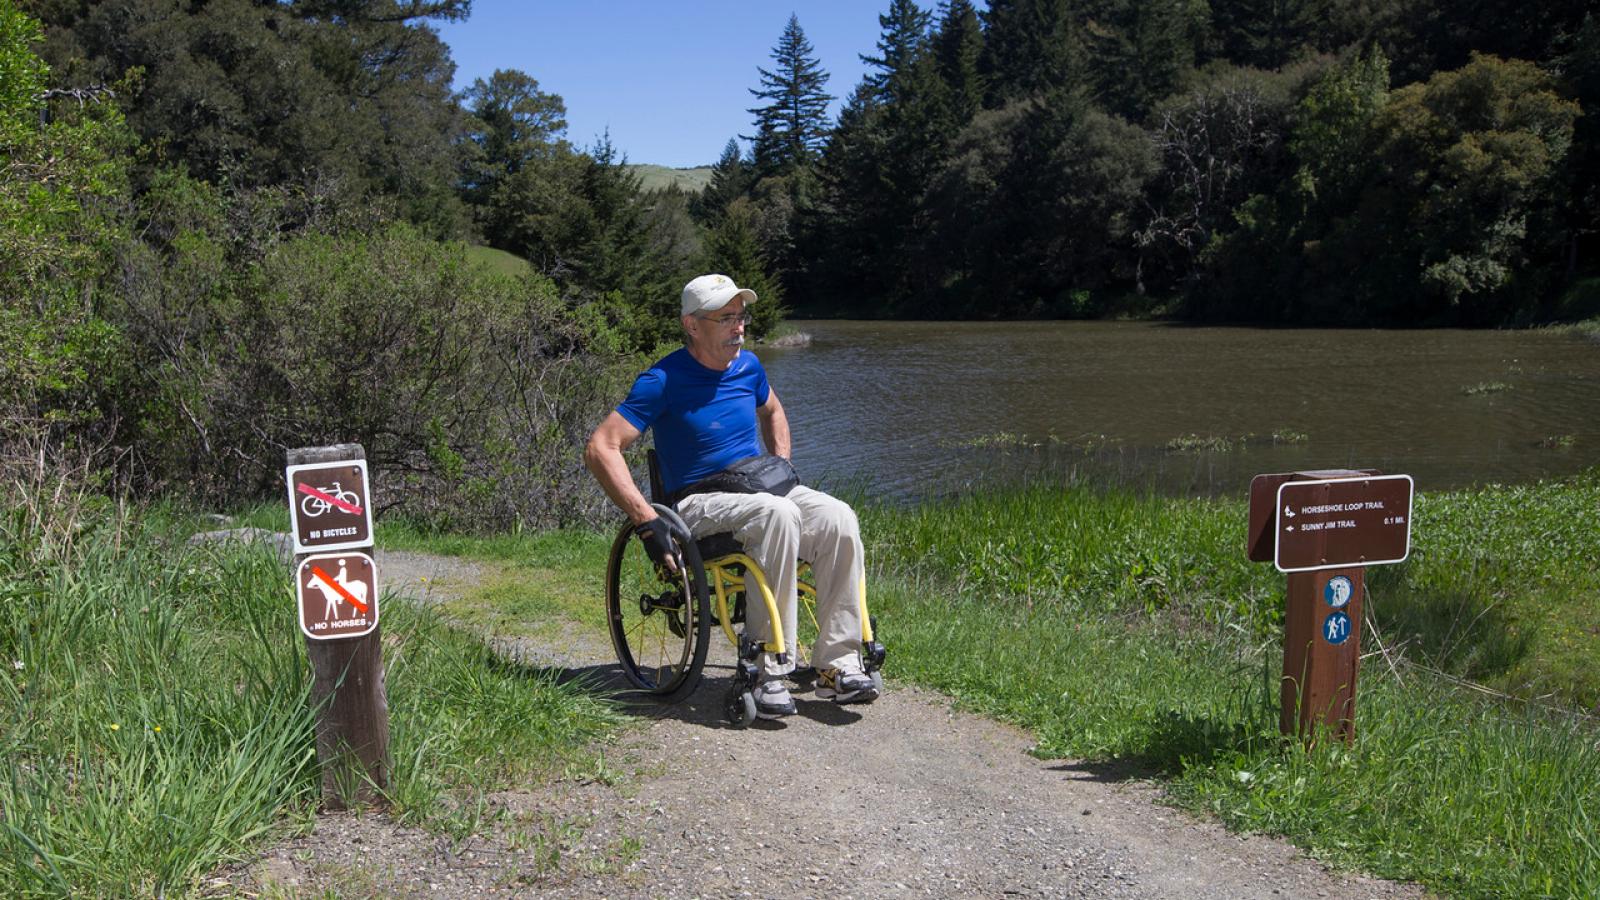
670	80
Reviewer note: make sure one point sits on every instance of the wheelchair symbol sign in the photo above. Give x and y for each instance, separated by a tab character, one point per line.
1336	628
1337	592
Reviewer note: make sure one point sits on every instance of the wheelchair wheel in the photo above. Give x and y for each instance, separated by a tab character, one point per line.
658	620
739	706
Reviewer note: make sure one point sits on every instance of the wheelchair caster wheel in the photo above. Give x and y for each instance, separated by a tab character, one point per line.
877	681
740	708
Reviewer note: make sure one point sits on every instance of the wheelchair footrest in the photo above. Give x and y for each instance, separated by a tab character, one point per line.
748	666
873	652
872	656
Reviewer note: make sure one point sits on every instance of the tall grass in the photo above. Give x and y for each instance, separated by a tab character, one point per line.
1130	630
1501	588
1096	551
154	715
1467	795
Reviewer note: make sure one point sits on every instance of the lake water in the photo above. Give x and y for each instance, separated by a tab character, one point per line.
902	409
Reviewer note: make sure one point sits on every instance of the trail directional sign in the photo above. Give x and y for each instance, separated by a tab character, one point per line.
1340	522
1324	528
328	507
338	594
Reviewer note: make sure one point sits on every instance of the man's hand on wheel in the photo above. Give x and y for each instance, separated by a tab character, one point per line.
658	543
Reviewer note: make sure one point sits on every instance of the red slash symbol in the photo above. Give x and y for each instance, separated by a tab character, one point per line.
329	499
317	572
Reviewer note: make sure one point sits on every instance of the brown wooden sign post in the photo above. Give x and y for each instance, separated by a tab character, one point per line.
337	595
1323	529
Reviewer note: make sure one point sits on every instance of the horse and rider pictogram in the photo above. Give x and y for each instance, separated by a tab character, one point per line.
338	595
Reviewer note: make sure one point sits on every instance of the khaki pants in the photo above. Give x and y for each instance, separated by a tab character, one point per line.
778	531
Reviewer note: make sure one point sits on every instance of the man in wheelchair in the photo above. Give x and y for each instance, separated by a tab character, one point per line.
708	403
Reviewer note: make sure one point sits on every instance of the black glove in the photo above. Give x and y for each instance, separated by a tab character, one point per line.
658	543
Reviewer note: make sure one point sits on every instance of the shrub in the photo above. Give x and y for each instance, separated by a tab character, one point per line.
470	389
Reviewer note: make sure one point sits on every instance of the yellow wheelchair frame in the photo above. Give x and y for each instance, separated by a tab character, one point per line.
660	621
732	574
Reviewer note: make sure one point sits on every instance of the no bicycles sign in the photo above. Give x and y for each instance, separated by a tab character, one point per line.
328	507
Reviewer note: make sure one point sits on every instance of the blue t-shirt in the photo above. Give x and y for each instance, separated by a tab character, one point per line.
704	419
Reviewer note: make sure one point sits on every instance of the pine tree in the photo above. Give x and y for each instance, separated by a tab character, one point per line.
957	48
730	180
840	237
890	141
613	251
1030	47
1141	51
1267	34
791	128
904	38
733	248
912	124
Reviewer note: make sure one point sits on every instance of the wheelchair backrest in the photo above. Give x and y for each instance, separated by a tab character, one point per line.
657	492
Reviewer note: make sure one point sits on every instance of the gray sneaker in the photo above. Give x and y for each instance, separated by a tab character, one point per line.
773	700
846	686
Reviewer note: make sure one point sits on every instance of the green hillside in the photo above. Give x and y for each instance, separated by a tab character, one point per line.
498	260
656	177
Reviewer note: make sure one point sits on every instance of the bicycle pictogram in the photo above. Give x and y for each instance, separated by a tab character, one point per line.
315	504
329	506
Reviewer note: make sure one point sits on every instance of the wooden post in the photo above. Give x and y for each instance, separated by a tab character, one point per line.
1323	529
348	689
1322	652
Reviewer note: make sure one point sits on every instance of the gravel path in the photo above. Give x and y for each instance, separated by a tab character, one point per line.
901	798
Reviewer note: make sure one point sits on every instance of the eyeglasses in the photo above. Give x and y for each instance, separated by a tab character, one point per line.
729	320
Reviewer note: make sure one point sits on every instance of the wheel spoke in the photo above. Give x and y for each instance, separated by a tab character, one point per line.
655	618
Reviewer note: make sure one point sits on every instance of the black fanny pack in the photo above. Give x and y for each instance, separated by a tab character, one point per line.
751	475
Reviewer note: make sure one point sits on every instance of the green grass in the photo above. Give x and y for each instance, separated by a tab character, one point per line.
1504	588
653	178
1131	630
1471	797
1194	443
154	702
539	580
1122	630
499	261
1102	553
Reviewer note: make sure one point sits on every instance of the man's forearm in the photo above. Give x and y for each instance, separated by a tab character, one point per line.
777	439
611	470
775	428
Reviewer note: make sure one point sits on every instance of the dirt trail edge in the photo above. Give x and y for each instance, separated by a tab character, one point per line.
901	798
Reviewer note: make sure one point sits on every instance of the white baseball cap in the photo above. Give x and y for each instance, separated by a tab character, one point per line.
709	293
